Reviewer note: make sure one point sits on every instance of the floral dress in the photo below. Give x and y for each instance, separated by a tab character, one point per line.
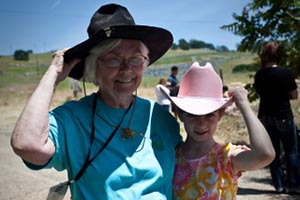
207	177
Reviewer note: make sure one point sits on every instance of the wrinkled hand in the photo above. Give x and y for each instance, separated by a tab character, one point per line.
239	95
61	68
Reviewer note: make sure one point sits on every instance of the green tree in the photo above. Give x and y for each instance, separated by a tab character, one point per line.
264	20
196	44
183	44
210	46
222	48
174	46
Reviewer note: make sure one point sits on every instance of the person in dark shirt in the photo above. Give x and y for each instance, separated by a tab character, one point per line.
174	86
276	86
174	82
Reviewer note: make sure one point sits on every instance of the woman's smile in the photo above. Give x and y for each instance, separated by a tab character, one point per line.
126	80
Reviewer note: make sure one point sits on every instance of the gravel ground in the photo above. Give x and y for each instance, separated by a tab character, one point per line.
18	182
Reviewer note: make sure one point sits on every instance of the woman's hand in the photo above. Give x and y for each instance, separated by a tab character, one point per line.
61	68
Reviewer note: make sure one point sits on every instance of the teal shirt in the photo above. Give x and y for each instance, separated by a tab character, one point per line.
140	167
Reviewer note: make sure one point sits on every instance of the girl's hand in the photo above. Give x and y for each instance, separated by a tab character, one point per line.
239	95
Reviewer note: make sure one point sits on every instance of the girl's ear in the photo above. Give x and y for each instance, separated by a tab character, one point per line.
221	113
179	113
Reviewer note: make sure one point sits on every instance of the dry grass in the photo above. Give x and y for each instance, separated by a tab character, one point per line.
231	128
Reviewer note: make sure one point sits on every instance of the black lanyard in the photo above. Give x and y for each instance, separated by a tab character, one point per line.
88	161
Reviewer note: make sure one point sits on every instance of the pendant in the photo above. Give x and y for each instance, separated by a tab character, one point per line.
128	133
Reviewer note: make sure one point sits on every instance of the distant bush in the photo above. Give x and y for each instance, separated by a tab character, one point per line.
222	48
22	55
196	44
246	68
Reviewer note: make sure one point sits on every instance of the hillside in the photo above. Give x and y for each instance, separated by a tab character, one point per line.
19	78
14	72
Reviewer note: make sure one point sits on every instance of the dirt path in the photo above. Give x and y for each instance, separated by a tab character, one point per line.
257	185
20	183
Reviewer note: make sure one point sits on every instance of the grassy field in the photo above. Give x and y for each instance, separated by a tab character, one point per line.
14	72
19	78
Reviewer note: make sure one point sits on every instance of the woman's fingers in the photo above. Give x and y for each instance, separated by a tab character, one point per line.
62	68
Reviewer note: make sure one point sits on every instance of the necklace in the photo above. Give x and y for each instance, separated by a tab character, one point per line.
127	132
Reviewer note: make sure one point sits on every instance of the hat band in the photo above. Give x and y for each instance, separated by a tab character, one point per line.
204	98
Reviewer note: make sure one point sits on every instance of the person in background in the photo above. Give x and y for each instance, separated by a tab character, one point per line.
75	87
276	86
160	98
230	109
174	85
174	82
225	90
204	168
113	144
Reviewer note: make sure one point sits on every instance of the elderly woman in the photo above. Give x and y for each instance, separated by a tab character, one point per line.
113	144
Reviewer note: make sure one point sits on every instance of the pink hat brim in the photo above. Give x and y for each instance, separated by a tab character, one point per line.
200	106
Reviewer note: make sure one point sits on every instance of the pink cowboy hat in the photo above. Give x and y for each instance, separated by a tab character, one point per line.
200	91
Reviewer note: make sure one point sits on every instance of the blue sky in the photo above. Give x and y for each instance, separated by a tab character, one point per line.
44	25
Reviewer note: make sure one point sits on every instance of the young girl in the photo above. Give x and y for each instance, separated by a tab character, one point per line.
205	169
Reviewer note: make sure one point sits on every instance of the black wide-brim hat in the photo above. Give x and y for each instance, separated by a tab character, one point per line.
114	21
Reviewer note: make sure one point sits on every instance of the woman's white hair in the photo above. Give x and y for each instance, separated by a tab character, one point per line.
90	66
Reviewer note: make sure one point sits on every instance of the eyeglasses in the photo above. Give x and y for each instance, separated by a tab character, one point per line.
116	62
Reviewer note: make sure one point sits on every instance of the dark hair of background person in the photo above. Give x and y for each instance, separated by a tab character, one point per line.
271	52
